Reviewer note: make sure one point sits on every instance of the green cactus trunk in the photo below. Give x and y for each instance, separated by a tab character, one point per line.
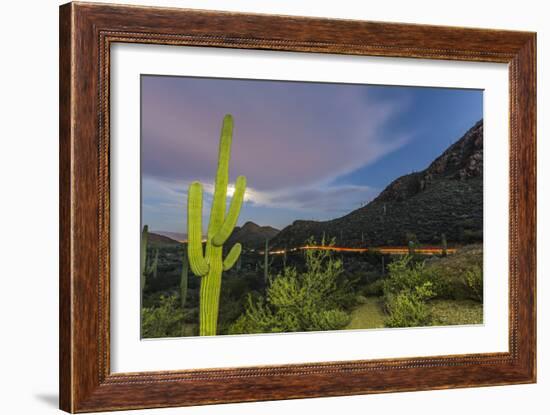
184	282
143	266
211	264
411	248
210	298
154	266
184	278
266	262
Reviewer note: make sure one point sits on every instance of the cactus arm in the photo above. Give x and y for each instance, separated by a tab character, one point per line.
197	263
234	209
232	256
217	212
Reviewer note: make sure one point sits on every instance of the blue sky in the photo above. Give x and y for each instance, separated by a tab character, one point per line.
309	150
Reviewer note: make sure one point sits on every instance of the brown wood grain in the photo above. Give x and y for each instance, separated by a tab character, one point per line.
86	33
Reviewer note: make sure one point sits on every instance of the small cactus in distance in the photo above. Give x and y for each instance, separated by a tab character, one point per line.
267	262
411	248
183	285
153	267
144	238
209	264
239	263
147	267
184	277
143	258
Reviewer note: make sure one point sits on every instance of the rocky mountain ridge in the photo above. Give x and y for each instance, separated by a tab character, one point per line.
445	198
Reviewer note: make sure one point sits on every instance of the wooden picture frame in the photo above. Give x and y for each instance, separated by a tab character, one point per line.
86	33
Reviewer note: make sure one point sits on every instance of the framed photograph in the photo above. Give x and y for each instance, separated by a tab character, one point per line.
259	207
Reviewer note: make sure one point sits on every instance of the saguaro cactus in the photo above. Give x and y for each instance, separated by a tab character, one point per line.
143	266
411	248
144	237
239	263
153	267
210	264
147	267
184	278
183	286
267	262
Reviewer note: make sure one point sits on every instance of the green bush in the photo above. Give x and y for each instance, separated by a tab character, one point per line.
450	274
166	320
408	286
375	288
405	275
312	300
473	280
408	308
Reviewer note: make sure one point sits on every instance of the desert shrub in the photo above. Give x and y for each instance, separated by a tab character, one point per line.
450	272
361	299
473	281
312	300
230	310
470	235
375	288
163	321
405	275
408	308
408	286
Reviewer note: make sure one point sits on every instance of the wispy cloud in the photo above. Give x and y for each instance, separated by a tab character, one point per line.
291	140
168	199
285	134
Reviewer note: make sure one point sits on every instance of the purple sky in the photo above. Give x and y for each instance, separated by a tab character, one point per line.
302	146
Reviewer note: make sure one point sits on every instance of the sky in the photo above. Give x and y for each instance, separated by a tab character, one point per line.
309	150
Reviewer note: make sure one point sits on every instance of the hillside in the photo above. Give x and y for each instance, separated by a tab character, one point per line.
446	197
156	240
176	236
251	235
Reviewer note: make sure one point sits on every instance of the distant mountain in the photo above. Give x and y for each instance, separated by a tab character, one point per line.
177	236
251	235
446	197
154	239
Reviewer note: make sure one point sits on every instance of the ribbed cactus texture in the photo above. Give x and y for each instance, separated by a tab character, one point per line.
210	264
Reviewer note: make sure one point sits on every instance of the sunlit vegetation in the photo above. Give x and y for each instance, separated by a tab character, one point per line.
315	299
317	290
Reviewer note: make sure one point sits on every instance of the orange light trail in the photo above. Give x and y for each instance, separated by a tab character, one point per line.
394	250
